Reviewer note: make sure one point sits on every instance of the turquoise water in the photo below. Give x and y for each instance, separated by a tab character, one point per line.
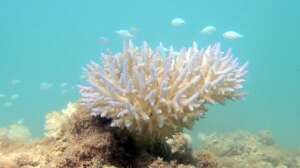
49	41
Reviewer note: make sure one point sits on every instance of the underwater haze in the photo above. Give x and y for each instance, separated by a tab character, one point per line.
45	44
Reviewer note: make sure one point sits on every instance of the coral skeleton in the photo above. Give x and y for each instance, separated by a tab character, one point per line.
158	93
55	121
15	132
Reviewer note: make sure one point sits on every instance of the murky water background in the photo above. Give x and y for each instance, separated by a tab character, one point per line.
45	43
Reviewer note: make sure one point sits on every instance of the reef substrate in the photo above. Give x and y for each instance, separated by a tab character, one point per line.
83	141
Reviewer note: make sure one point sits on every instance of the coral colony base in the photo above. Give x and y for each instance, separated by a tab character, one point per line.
84	141
133	94
157	94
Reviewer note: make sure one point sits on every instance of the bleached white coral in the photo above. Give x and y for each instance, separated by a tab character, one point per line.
55	120
157	94
16	132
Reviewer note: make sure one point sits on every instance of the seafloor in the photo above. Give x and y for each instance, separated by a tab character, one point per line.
80	140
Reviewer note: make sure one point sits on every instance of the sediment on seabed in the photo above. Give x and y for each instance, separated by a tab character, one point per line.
85	141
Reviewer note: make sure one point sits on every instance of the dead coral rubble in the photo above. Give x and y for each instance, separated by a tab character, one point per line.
84	141
246	150
87	142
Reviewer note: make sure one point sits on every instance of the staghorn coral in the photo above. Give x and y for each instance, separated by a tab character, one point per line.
154	95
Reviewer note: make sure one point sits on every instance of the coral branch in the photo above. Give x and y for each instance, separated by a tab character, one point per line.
157	93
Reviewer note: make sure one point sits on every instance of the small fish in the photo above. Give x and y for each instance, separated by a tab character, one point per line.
63	84
125	34
45	86
14	97
20	122
103	41
133	30
232	35
177	22
208	30
7	104
15	82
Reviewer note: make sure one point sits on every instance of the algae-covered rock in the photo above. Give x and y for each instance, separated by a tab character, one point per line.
83	141
243	149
